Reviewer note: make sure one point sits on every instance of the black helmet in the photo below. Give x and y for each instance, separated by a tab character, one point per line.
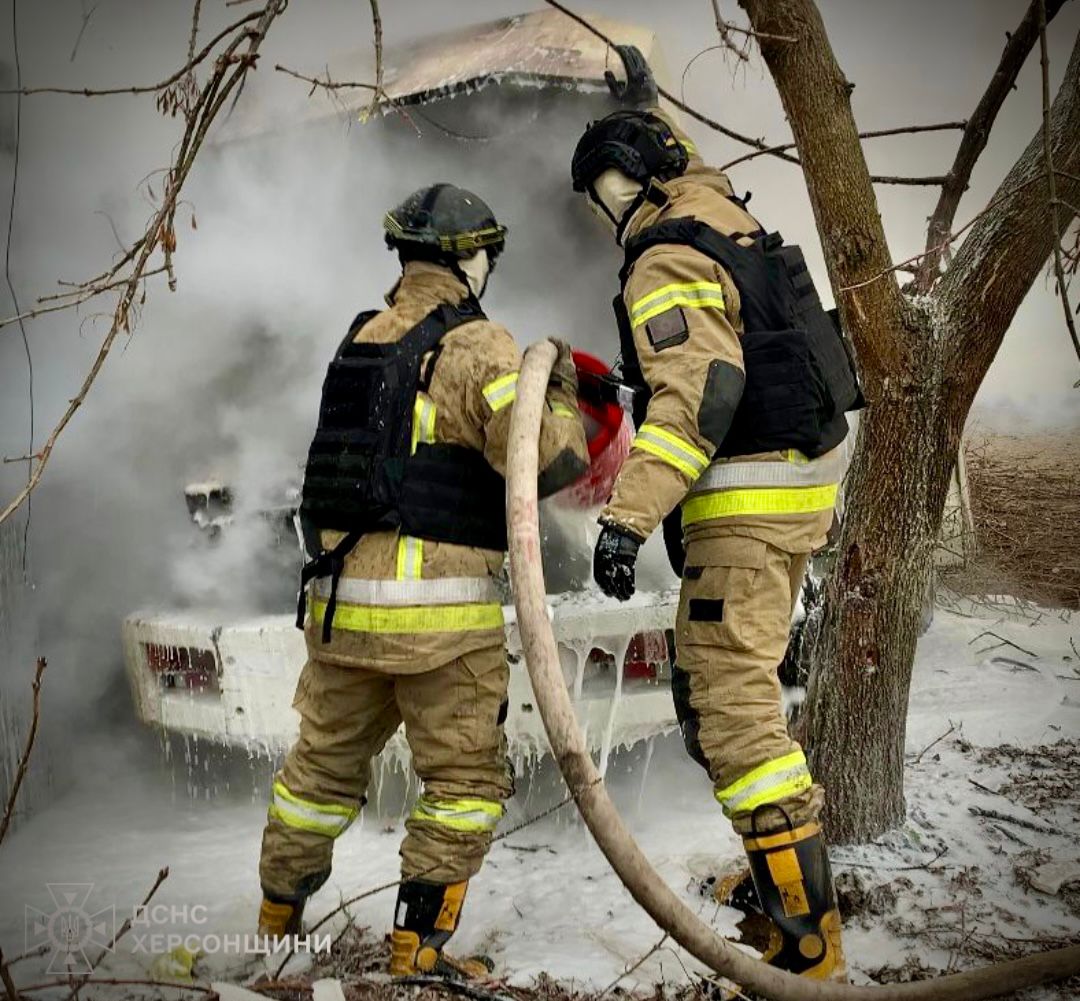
444	220
638	143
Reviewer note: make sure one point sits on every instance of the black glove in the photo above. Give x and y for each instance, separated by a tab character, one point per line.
639	87
613	561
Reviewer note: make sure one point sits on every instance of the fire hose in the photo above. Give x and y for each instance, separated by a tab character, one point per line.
603	820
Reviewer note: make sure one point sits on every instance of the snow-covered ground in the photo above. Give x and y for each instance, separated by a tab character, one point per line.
948	890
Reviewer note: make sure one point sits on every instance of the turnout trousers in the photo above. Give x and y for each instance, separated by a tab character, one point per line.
732	629
453	716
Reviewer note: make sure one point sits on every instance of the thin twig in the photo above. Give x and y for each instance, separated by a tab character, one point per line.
194	31
1051	181
149	88
24	758
893	868
86	15
1004	642
972	143
326	84
952	238
873	134
724	30
230	69
758	144
31	429
5	978
637	965
162	875
979	811
919	756
376	24
79	296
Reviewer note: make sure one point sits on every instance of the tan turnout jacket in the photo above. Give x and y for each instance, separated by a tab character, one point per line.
670	453
468	402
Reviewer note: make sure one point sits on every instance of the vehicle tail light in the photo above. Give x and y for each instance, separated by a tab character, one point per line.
183	667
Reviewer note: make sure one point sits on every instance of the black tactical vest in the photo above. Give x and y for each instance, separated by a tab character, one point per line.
800	374
362	472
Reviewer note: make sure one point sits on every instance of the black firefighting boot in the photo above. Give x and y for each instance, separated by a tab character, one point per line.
795	889
279	916
427	914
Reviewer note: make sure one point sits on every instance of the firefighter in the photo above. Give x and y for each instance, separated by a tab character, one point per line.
742	381
404	503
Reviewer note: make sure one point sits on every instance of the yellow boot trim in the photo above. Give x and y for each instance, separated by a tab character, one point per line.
274	918
404	946
787	875
450	912
782	838
833	967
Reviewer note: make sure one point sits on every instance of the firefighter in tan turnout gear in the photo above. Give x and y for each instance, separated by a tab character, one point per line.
743	381
404	502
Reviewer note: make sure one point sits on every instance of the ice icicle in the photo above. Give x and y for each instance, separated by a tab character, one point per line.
616	698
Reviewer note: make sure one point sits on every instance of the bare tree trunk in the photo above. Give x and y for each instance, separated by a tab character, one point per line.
922	361
857	703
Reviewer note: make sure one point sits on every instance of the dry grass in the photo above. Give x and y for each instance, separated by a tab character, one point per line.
1025	499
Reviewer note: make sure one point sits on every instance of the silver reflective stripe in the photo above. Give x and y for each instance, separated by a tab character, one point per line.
440	591
732	475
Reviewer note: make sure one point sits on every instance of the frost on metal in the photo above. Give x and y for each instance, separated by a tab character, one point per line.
233	683
540	49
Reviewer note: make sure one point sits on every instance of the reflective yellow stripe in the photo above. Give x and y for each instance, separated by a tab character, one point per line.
771	782
562	410
766	500
410	550
412	618
329	819
470	815
693	295
689	146
501	392
423	422
410	557
686	458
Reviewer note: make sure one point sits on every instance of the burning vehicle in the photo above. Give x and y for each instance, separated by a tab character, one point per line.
196	673
491	104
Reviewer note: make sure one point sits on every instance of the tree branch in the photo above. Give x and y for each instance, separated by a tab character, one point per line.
1051	181
874	134
376	25
24	759
230	69
1007	248
326	84
816	99
764	38
149	88
975	137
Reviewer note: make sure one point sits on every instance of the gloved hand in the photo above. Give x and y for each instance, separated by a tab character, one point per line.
639	87
564	371
613	561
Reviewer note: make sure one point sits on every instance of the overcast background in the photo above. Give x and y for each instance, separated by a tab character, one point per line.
221	378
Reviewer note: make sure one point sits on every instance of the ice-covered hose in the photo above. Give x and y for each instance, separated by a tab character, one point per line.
584	782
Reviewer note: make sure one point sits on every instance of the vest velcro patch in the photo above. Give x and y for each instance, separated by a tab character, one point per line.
706	610
667	329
